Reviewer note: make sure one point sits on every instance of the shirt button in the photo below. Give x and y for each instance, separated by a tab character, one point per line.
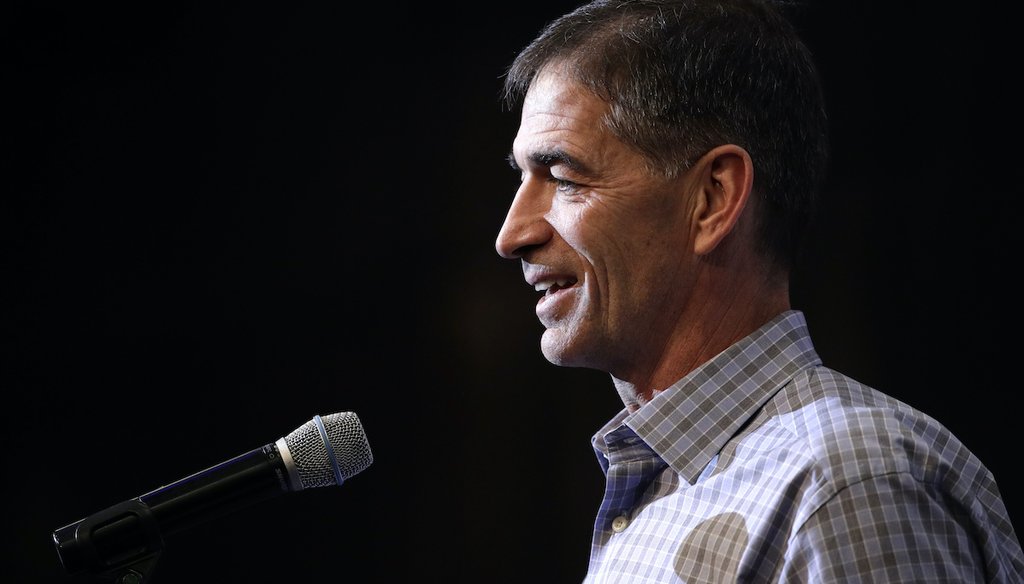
619	523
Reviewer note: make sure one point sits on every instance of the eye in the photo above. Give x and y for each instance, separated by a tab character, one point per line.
564	186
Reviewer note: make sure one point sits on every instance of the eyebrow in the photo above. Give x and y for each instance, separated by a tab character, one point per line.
550	158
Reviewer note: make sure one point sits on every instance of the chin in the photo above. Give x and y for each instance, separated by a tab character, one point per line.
562	349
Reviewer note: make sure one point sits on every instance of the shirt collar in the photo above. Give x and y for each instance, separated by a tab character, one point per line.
690	422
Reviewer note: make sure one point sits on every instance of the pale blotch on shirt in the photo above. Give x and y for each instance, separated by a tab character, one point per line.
712	551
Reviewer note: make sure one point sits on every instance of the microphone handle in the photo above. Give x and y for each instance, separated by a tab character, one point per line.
134	529
219	490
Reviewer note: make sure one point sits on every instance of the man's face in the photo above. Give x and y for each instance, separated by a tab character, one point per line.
606	242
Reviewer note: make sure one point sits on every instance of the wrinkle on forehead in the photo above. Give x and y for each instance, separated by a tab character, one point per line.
560	115
553	93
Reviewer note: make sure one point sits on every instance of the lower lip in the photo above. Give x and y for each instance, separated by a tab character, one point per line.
547	306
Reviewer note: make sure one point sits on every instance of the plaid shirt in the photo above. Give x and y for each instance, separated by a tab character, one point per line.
764	466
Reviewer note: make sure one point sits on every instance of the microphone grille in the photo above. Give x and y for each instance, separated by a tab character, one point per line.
345	453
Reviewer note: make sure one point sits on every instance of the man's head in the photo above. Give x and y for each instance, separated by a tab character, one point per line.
683	76
669	154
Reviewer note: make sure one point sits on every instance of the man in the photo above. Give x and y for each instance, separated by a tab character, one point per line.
670	152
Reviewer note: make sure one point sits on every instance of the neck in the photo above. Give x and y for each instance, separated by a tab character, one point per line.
727	306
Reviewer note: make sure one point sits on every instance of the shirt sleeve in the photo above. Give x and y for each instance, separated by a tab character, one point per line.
889	528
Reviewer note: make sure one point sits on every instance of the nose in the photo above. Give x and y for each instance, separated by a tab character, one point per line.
525	225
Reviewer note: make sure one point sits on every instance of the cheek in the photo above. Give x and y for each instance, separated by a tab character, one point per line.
595	232
587	245
624	251
615	266
641	269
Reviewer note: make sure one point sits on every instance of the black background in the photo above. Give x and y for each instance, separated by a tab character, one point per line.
223	218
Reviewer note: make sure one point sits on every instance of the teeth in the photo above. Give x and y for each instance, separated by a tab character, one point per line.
544	285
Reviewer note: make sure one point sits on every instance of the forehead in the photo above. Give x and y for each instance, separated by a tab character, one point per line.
559	113
554	90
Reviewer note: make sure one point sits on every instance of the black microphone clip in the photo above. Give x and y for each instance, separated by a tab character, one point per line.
121	543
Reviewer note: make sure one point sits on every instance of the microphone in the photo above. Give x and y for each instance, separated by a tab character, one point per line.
322	452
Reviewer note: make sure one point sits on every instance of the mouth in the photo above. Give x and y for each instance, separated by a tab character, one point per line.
558	298
549	287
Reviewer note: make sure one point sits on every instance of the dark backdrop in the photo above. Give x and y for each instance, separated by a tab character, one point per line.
223	218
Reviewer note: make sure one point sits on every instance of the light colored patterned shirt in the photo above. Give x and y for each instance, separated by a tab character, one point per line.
764	466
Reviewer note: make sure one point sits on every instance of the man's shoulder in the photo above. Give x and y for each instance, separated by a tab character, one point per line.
852	432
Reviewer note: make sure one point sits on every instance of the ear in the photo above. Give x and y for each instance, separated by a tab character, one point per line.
726	177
